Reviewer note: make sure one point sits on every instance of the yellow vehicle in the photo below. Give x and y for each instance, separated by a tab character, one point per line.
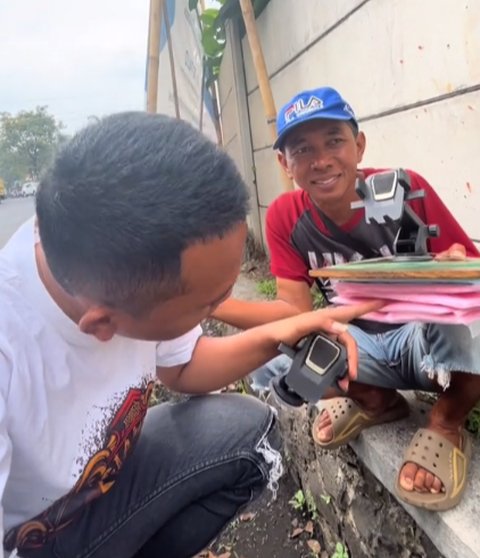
3	190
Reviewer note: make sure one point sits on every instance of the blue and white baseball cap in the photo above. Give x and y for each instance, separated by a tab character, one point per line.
324	102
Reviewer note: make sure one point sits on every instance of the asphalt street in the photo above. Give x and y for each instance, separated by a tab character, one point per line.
14	212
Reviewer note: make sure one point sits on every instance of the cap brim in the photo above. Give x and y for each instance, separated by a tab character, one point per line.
281	138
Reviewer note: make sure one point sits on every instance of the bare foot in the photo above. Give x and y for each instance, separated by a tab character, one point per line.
415	478
324	427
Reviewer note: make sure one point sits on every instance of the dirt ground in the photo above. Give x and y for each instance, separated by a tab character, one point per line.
270	530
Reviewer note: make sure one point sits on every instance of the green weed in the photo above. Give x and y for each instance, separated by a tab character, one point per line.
341	551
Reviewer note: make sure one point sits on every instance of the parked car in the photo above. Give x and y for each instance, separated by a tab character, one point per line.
29	188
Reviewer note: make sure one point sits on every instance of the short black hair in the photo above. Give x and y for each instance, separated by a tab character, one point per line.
125	197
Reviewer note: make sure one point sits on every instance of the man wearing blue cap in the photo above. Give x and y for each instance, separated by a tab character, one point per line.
320	146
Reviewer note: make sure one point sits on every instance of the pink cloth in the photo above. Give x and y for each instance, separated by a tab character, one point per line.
465	301
435	303
467	318
402	312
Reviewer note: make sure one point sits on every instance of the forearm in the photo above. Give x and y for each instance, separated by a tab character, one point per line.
221	361
218	362
245	314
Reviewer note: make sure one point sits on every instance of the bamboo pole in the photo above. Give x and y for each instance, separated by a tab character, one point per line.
155	23
172	61
262	76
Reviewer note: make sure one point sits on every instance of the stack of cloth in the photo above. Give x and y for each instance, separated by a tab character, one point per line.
430	302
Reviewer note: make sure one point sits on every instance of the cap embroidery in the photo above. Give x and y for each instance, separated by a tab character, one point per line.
299	108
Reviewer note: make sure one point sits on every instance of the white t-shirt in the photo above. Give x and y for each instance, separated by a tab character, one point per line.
70	405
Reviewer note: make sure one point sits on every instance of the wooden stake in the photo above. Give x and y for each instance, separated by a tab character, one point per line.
172	61
155	23
262	76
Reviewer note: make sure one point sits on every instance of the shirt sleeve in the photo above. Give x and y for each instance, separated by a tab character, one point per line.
178	351
434	212
5	442
285	261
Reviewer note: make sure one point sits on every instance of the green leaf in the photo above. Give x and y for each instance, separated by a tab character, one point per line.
213	41
210	45
207	22
209	15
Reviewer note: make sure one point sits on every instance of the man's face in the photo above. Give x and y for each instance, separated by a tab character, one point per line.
209	271
321	156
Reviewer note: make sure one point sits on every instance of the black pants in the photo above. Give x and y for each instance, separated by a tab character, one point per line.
197	463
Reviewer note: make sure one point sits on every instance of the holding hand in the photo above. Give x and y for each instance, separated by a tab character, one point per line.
456	252
331	321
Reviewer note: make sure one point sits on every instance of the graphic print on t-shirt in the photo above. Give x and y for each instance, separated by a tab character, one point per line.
97	478
320	250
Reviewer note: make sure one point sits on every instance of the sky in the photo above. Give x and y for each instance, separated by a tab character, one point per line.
81	59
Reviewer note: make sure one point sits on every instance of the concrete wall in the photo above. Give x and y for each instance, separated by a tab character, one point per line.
235	119
411	71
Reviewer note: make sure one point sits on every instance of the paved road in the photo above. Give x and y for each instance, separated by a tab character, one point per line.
14	212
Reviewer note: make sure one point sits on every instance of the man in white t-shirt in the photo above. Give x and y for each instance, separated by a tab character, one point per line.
138	236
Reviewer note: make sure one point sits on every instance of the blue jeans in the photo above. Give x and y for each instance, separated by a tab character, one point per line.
414	356
196	464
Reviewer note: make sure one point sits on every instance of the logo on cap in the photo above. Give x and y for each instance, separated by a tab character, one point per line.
299	108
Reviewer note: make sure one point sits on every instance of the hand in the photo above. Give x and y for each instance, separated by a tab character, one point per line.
331	321
456	252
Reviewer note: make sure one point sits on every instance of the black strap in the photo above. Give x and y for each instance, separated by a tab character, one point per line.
336	232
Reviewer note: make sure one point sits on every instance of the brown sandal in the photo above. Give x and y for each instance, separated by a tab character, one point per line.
439	456
348	419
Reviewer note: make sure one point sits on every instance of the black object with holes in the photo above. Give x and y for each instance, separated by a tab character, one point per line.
384	195
318	362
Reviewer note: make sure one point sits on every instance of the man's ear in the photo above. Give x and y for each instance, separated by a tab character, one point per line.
282	159
361	142
98	321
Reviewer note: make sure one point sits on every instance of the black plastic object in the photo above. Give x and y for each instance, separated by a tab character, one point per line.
318	362
383	195
279	385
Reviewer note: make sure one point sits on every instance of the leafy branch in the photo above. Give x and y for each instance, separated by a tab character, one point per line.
212	24
213	39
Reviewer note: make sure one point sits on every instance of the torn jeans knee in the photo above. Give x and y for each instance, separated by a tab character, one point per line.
436	371
272	456
446	349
